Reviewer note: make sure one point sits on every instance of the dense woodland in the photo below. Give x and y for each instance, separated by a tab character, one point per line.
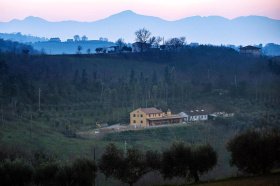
108	87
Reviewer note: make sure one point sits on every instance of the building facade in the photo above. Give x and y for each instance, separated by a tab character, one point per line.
144	117
250	50
194	115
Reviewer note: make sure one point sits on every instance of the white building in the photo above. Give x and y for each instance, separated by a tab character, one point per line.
194	115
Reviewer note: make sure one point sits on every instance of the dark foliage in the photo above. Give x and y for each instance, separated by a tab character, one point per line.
128	168
153	159
133	167
111	161
255	152
203	159
187	162
46	174
15	173
176	161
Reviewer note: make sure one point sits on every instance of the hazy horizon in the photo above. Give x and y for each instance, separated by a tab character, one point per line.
116	13
93	10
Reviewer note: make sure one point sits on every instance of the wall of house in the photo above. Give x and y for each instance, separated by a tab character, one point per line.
139	118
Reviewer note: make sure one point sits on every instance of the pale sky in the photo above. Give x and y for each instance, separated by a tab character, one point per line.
91	10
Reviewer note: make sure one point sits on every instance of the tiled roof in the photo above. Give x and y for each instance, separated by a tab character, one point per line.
197	112
151	110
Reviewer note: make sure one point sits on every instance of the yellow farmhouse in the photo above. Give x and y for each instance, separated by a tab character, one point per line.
145	117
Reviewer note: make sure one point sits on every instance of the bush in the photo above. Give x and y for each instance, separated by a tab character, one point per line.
81	173
45	174
128	168
187	162
255	152
203	159
15	173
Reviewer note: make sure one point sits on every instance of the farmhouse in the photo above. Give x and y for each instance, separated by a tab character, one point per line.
250	50
194	115
145	117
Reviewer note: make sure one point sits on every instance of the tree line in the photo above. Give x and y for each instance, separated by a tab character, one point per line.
254	152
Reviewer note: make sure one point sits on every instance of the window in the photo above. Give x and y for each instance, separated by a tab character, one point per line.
134	115
158	114
134	121
141	115
141	121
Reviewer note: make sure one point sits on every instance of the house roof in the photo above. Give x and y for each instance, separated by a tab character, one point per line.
197	112
151	110
250	48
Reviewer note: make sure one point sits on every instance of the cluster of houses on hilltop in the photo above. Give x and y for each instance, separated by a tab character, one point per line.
145	117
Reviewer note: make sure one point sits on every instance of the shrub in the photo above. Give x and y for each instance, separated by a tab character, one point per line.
15	173
255	152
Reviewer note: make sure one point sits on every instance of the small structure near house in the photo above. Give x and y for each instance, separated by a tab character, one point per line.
55	39
215	115
144	117
140	47
250	50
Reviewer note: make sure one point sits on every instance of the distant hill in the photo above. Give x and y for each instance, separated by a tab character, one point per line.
70	47
18	37
205	30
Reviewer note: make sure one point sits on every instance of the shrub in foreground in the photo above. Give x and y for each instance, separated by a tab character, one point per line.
255	152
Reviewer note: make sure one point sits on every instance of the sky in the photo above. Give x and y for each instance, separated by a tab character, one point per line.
92	10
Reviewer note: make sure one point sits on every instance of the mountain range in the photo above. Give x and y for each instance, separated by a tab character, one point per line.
205	30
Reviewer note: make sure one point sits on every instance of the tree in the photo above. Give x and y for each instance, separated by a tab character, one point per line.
79	49
255	152
176	161
133	167
45	174
203	159
176	43
142	38
88	51
155	41
84	172
84	38
111	161
77	38
81	173
129	169
153	160
99	50
120	43
15	173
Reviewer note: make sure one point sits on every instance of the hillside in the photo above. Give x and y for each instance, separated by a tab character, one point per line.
76	91
205	30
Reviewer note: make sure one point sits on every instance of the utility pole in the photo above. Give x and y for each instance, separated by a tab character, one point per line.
125	147
31	119
39	99
94	161
2	117
235	81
